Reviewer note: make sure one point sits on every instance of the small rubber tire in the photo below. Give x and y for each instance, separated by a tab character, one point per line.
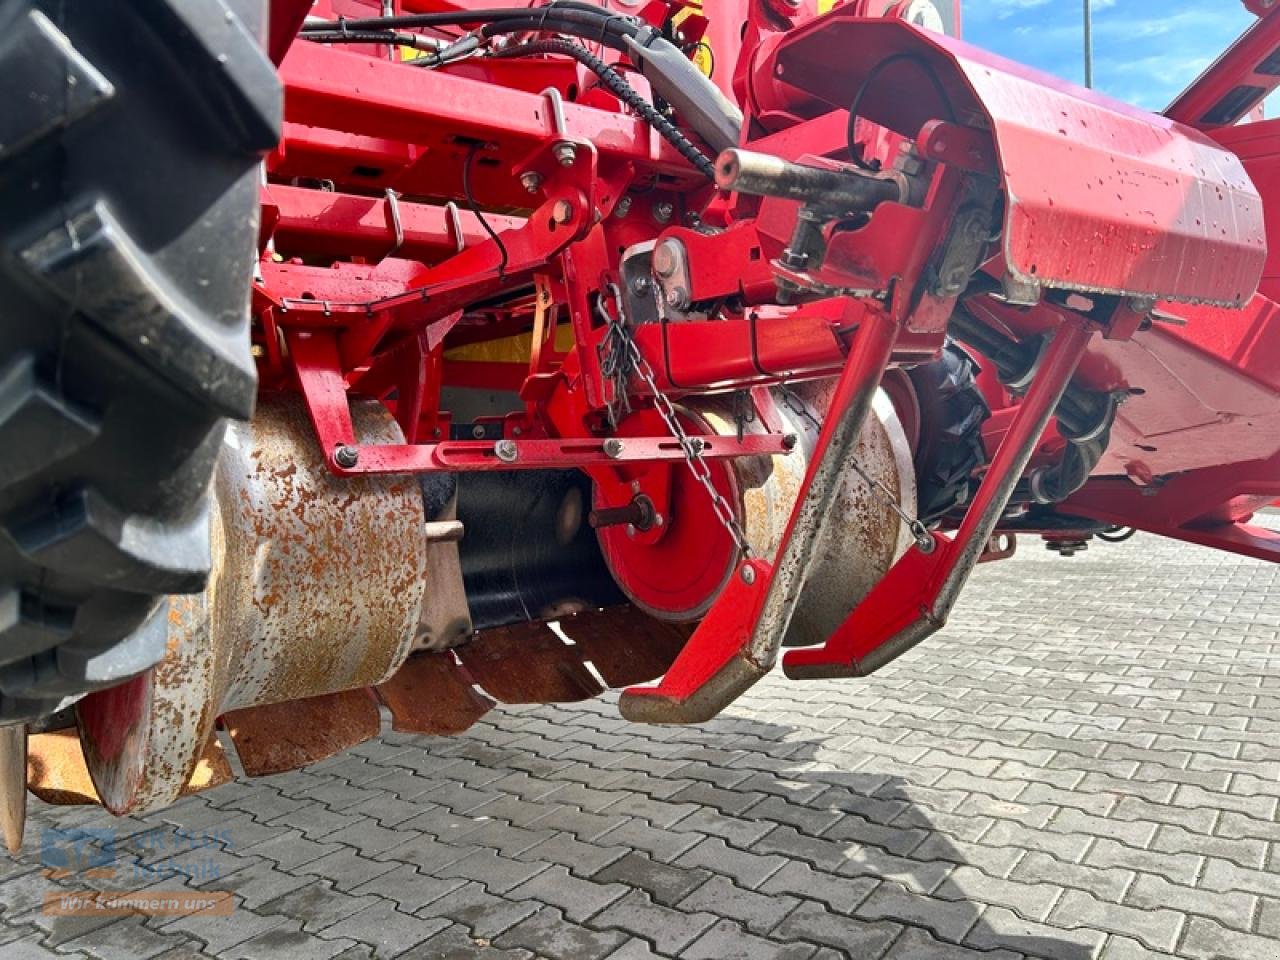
130	145
949	448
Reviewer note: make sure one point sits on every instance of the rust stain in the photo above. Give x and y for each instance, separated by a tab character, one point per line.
527	663
626	645
285	736
431	694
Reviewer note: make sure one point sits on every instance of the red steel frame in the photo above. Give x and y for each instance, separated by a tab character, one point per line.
368	277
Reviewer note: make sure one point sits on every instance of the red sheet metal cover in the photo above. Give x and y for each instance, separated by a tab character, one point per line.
1100	196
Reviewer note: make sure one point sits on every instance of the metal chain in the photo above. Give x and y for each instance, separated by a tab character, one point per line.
919	532
624	358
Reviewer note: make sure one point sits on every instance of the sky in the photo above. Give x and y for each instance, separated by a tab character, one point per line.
1144	51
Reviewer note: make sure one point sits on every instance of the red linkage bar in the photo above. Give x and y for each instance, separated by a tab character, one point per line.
737	642
914	598
315	356
342	226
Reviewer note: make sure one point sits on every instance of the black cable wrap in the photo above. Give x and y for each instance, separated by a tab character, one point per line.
627	94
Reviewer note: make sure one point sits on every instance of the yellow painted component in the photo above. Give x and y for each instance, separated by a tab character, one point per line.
704	57
519	348
509	349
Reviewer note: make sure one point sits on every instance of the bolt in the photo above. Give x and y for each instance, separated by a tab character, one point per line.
506	451
1067	548
565	153
613	448
659	520
477	431
562	211
677	298
623	207
346	456
748	574
532	181
789	441
663	211
641	286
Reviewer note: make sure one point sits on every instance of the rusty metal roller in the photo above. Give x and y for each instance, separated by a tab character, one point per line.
865	536
317	587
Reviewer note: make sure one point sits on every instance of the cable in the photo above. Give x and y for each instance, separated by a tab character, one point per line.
475	208
619	87
875	71
581	20
1116	534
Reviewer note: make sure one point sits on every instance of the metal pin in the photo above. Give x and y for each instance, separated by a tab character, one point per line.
13	784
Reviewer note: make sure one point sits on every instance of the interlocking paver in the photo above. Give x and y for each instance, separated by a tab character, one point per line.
665	883
408	889
668	929
483	913
549	935
1211	941
288	941
747	869
456	942
125	938
727	941
317	905
579	899
1233	909
858	938
758	912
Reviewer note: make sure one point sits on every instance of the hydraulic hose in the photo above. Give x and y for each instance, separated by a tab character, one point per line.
1057	481
618	86
1084	417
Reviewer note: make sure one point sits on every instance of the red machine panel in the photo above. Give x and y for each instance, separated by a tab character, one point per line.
1099	195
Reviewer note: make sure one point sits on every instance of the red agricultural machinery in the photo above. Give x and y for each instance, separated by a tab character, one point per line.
637	344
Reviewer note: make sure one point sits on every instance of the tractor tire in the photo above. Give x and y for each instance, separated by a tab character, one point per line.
950	449
130	143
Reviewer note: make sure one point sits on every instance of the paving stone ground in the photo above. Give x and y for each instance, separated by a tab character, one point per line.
1085	764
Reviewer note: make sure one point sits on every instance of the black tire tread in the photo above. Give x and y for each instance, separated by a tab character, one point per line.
128	158
950	449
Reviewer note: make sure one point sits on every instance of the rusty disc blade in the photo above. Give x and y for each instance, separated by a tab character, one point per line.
527	663
626	645
285	736
431	694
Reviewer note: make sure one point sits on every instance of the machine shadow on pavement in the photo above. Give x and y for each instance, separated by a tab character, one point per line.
742	833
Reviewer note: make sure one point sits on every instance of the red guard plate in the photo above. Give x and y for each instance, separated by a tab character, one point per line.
1100	196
